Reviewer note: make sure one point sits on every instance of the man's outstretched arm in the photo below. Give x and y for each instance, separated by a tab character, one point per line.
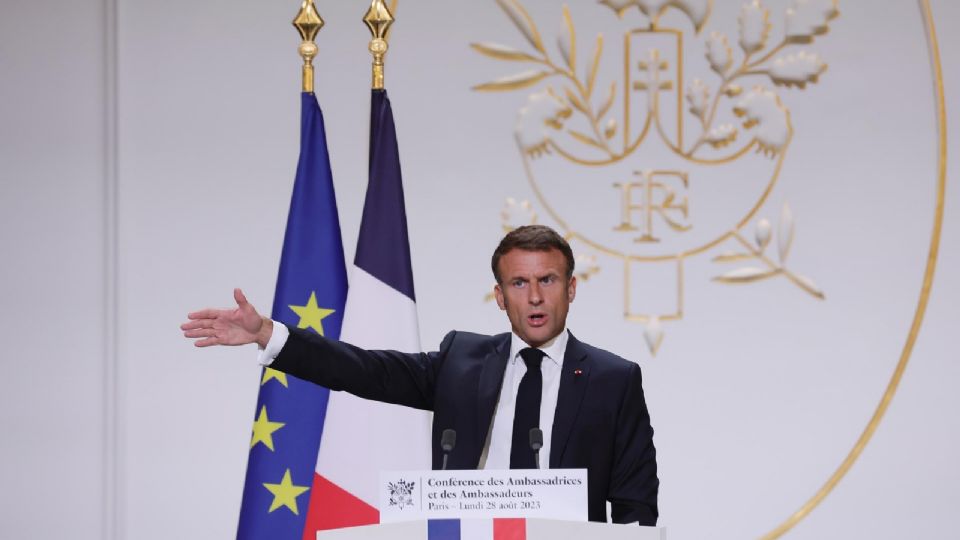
389	376
238	326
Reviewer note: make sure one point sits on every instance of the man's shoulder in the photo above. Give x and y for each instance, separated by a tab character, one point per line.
601	358
474	341
477	336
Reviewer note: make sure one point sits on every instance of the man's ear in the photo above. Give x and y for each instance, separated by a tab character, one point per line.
498	294
572	289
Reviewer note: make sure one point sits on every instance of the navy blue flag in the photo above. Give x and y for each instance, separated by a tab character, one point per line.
311	292
384	223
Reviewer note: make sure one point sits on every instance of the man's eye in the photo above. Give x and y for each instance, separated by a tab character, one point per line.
519	283
547	280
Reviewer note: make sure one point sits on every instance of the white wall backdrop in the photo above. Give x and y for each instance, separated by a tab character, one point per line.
113	227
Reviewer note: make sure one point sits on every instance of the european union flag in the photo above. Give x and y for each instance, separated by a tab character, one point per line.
311	292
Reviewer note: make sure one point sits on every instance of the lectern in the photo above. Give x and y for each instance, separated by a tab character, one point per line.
492	529
523	504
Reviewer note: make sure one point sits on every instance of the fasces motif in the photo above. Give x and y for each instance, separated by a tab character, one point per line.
670	161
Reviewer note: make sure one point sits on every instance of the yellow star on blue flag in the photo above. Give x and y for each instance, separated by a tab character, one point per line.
269	374
312	315
285	493
263	429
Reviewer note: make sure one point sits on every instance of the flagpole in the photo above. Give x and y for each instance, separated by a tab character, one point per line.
308	23
378	19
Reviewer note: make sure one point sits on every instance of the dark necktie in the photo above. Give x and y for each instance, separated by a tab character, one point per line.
527	414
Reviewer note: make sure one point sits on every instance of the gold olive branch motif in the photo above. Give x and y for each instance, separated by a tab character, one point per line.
730	91
578	98
791	70
757	251
754	22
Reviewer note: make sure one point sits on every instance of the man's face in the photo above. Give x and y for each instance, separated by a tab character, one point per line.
535	293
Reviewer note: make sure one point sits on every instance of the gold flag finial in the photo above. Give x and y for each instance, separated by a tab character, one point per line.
378	19
308	22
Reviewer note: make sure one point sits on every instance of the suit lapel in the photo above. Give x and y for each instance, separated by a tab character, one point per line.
574	377
491	379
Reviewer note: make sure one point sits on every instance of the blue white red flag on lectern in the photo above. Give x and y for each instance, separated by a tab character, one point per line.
311	293
477	529
381	313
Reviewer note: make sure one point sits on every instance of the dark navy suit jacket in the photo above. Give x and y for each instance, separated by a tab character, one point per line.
601	421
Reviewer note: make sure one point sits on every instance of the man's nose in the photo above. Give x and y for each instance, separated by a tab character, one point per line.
535	297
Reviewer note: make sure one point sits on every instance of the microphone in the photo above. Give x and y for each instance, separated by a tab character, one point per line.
536	443
447	441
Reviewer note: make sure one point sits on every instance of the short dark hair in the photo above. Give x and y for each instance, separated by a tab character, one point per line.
532	238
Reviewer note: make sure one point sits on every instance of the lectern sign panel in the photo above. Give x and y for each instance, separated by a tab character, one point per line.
539	493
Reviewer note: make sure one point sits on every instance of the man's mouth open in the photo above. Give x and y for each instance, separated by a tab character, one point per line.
536	319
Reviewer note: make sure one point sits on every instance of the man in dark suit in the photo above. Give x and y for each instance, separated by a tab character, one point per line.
492	391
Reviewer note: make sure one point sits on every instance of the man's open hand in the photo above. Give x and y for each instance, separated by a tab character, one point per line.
238	326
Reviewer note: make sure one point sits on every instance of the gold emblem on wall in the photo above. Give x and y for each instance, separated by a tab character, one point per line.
657	163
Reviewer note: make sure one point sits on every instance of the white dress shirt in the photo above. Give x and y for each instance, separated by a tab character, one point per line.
496	451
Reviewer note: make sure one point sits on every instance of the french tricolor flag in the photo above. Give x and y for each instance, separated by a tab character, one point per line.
360	437
477	529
